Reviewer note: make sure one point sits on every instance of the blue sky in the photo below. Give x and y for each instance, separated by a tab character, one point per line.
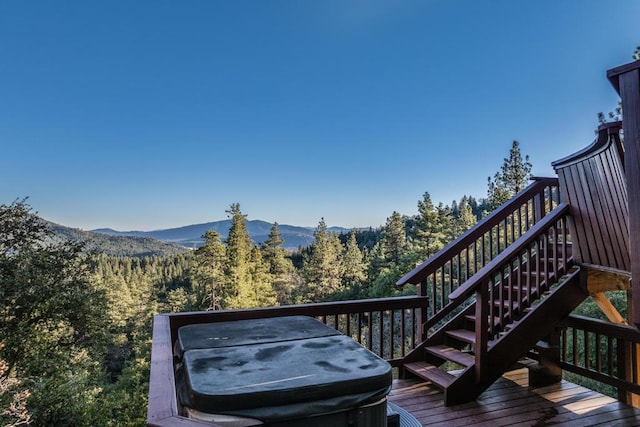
155	114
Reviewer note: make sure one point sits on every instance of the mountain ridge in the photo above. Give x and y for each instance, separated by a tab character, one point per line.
190	236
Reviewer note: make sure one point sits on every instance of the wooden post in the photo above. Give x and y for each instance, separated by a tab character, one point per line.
626	81
547	371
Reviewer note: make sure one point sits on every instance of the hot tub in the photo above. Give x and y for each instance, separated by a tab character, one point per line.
287	371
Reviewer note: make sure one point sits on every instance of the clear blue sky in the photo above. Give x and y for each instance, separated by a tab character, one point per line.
156	114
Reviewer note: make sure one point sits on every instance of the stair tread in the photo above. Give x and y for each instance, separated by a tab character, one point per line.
451	354
472	318
430	373
463	335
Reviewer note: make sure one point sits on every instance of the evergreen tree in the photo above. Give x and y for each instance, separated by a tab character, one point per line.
260	290
238	257
427	231
394	239
465	218
389	258
280	267
511	179
353	266
208	274
322	268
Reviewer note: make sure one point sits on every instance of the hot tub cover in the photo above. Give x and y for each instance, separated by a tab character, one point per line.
251	331
233	379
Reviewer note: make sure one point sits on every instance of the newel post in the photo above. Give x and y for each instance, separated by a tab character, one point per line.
626	80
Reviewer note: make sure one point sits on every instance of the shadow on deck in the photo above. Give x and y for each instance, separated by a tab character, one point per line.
511	402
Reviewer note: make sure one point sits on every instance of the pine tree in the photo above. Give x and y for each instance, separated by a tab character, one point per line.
394	239
260	290
280	267
208	274
427	230
322	268
238	257
511	179
353	266
465	218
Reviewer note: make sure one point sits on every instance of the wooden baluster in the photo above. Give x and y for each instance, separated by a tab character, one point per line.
482	327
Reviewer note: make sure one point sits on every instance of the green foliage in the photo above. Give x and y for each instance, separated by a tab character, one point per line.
280	266
322	268
511	179
353	266
260	292
238	258
49	310
209	288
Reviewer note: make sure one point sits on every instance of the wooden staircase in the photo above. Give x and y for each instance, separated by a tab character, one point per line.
500	312
516	338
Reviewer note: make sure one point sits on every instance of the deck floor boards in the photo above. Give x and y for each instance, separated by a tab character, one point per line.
511	402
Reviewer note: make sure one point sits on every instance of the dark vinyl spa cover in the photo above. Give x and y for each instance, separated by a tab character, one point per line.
276	368
300	371
253	331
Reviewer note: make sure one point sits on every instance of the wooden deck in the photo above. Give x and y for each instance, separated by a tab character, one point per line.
511	402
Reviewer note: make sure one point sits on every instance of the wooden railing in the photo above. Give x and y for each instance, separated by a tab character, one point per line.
463	258
602	351
386	326
515	279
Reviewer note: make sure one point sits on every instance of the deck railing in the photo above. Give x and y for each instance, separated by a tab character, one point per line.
602	351
386	326
460	260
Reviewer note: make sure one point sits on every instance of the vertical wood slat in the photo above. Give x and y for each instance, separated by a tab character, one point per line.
629	90
592	182
403	333
392	332
380	334
481	327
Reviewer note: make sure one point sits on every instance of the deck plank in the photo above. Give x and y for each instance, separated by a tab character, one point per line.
511	402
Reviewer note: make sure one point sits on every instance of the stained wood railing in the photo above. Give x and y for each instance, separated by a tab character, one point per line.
514	280
463	258
387	326
601	351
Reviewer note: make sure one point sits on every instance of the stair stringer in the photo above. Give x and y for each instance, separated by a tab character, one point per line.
522	337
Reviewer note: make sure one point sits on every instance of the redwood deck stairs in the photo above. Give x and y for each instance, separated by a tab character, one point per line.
496	294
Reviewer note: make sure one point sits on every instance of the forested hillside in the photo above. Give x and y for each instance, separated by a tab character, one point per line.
114	245
75	326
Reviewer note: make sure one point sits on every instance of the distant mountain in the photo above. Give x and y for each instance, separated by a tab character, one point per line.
117	245
191	235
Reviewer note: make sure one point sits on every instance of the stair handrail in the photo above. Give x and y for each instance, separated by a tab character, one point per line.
498	262
462	293
463	257
533	191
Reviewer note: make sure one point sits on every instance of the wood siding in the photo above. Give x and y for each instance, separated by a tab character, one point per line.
593	183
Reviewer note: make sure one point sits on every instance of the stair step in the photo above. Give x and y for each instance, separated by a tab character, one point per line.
464	335
505	304
430	373
472	318
451	354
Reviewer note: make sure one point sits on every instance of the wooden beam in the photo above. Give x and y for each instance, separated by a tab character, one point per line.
602	281
626	80
608	309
